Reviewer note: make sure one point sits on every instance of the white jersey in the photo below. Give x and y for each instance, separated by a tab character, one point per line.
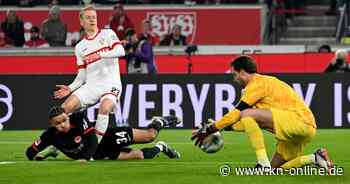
106	70
100	78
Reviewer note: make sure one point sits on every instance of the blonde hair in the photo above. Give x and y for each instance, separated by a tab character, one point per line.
86	8
341	54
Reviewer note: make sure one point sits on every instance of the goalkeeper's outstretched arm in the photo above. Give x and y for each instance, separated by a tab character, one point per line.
231	117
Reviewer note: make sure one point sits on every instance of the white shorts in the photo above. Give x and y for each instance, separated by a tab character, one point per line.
91	94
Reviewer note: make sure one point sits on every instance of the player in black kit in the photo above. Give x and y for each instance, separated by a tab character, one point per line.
75	136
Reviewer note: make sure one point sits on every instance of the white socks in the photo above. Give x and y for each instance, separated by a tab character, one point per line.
101	126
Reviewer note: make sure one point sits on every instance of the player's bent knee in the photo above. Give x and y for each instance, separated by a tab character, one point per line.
132	155
103	111
106	106
152	135
68	107
71	104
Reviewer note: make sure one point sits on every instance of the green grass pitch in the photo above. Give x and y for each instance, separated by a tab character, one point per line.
195	167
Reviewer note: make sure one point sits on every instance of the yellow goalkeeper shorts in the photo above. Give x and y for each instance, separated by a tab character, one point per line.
292	133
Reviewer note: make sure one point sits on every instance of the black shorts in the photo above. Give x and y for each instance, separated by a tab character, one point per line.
114	141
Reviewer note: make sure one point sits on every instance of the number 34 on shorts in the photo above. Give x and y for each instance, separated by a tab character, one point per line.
122	137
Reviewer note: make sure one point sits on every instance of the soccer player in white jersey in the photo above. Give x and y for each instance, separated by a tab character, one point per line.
98	78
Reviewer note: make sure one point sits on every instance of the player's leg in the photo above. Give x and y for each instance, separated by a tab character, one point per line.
148	153
71	104
115	145
141	136
252	120
108	103
238	126
151	133
319	157
290	154
125	153
166	121
130	154
148	135
80	99
277	160
168	150
139	154
263	117
292	138
88	95
299	161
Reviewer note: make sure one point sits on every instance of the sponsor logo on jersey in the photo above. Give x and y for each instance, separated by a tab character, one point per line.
163	22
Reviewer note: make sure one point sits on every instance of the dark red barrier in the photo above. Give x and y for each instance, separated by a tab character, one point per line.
267	63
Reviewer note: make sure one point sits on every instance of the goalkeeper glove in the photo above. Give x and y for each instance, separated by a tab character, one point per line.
203	131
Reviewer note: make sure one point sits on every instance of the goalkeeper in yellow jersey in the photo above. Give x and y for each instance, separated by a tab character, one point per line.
271	104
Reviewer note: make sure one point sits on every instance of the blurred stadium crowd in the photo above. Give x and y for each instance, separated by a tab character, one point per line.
284	19
78	2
